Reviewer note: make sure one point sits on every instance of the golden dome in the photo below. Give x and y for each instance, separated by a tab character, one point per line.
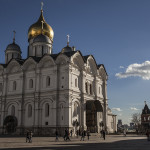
36	28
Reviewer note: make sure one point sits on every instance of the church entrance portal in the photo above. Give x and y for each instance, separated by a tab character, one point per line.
92	107
10	124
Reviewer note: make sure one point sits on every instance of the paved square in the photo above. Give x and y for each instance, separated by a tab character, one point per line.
112	142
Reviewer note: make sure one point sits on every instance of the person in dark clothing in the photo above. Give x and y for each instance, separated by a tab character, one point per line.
67	135
56	133
88	134
77	133
27	136
71	133
82	136
147	134
104	134
30	136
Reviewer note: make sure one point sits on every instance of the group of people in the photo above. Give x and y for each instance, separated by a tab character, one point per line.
29	135
82	133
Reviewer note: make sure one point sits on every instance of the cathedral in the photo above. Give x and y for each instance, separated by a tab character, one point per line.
50	91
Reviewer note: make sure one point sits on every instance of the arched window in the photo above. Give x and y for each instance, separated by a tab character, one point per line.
75	109
14	85
29	110
31	83
46	109
48	81
86	87
13	110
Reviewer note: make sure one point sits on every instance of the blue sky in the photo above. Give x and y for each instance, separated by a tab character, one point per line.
115	32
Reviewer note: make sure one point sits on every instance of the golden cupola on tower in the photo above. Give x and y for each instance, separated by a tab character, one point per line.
40	27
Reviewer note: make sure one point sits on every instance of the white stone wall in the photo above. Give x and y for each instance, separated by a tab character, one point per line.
67	88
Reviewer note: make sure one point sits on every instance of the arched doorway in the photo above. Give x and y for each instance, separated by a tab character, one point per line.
10	124
92	107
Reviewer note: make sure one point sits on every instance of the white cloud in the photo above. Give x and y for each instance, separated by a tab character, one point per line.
119	115
116	109
136	70
121	67
133	108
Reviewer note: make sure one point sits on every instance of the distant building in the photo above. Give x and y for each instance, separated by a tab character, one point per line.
145	117
119	123
132	125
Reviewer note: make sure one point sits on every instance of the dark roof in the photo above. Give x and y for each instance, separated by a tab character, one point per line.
86	57
69	54
67	49
20	61
146	110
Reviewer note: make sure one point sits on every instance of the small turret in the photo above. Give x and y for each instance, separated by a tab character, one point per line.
12	51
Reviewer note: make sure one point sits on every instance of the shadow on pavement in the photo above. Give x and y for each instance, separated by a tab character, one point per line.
139	144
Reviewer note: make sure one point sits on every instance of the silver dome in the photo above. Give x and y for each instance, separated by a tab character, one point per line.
67	49
13	46
42	38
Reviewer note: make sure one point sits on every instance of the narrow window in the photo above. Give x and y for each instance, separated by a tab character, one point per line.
90	88
75	82
48	81
46	109
99	90
86	87
29	110
42	51
14	85
1	87
13	110
31	83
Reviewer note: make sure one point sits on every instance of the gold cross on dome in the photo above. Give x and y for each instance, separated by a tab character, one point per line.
68	39
42	25
42	5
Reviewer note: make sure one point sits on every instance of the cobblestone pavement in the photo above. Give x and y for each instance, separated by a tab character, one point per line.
112	142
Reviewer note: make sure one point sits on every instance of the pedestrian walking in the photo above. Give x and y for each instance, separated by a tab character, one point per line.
101	133
147	134
71	133
124	132
67	135
27	136
30	136
56	134
104	134
88	134
82	136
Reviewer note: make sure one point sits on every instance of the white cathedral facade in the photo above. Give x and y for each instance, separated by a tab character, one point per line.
48	91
